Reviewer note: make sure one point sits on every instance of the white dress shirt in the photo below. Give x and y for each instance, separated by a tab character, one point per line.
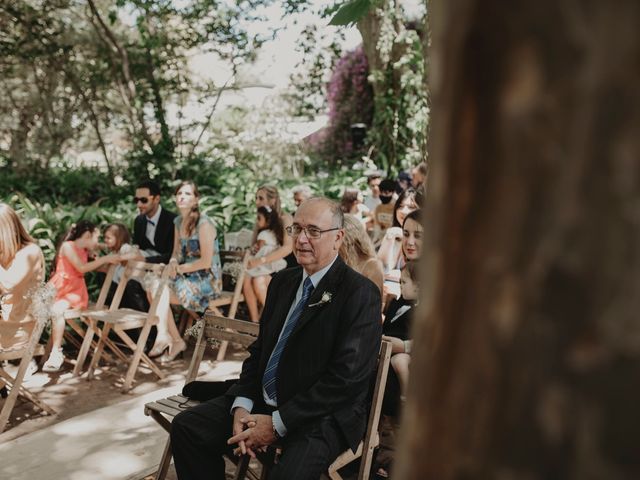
152	223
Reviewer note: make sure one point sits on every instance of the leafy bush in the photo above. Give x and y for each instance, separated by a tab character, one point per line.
227	197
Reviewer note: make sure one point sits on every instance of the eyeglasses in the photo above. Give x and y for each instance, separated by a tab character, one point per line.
142	200
310	232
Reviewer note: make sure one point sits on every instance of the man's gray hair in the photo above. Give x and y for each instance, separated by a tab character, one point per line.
304	190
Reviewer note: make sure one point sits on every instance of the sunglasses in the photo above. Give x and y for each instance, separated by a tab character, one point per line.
142	200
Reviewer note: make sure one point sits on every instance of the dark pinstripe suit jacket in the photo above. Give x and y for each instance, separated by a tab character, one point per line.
326	366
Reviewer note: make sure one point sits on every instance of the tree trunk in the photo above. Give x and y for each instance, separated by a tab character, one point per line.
527	357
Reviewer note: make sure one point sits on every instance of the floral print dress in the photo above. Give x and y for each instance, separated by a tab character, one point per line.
196	289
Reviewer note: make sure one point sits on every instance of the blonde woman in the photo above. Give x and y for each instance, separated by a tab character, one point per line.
21	272
357	251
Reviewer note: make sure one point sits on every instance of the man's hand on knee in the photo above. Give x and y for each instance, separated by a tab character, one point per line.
256	433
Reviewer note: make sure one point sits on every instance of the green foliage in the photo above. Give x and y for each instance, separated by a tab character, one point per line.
227	196
77	185
399	131
75	74
350	12
321	51
398	135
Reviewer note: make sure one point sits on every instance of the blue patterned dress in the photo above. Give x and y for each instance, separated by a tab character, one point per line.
196	289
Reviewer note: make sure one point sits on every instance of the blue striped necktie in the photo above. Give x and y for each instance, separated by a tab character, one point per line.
269	378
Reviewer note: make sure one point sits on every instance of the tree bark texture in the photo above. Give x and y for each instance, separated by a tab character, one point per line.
526	361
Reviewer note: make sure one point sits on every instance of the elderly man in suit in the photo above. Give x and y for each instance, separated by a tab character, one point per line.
305	383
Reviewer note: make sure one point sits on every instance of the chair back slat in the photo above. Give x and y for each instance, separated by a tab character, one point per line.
104	291
213	322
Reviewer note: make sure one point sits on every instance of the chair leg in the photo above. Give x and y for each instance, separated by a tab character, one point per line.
242	467
16	384
366	461
137	353
165	461
103	334
334	475
84	349
137	347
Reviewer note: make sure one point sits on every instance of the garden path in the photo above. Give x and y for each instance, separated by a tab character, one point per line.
99	433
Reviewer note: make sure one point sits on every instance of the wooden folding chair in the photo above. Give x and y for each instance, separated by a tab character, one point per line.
232	298
368	444
215	328
25	354
122	319
76	318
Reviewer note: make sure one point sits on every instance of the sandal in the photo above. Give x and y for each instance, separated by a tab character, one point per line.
54	362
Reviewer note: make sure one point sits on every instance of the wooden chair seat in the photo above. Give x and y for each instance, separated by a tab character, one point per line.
126	318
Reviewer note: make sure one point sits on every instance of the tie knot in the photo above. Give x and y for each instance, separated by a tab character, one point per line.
307	287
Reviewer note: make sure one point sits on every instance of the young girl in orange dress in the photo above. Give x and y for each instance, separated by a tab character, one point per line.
71	263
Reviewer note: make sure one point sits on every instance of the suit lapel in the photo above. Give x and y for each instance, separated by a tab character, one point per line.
161	228
142	240
329	284
287	292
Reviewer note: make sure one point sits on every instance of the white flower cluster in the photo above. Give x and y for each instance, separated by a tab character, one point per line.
42	298
232	268
195	329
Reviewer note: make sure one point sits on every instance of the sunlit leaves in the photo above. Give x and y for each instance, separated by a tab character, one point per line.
351	12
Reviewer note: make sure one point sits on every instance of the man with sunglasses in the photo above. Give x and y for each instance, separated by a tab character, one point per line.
153	229
305	383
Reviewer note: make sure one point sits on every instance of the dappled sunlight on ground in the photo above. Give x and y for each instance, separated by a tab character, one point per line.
99	433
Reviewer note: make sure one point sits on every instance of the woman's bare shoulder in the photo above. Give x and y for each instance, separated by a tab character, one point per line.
30	254
31	250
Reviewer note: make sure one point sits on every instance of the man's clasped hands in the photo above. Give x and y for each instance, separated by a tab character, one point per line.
252	433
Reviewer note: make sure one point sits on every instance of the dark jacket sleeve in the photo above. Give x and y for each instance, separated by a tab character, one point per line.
354	359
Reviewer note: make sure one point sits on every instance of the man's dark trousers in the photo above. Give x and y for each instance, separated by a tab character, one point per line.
199	439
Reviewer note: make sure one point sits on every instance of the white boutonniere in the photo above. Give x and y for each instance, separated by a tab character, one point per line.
326	298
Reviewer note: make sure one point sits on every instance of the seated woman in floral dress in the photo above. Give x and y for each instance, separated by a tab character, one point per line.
195	268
